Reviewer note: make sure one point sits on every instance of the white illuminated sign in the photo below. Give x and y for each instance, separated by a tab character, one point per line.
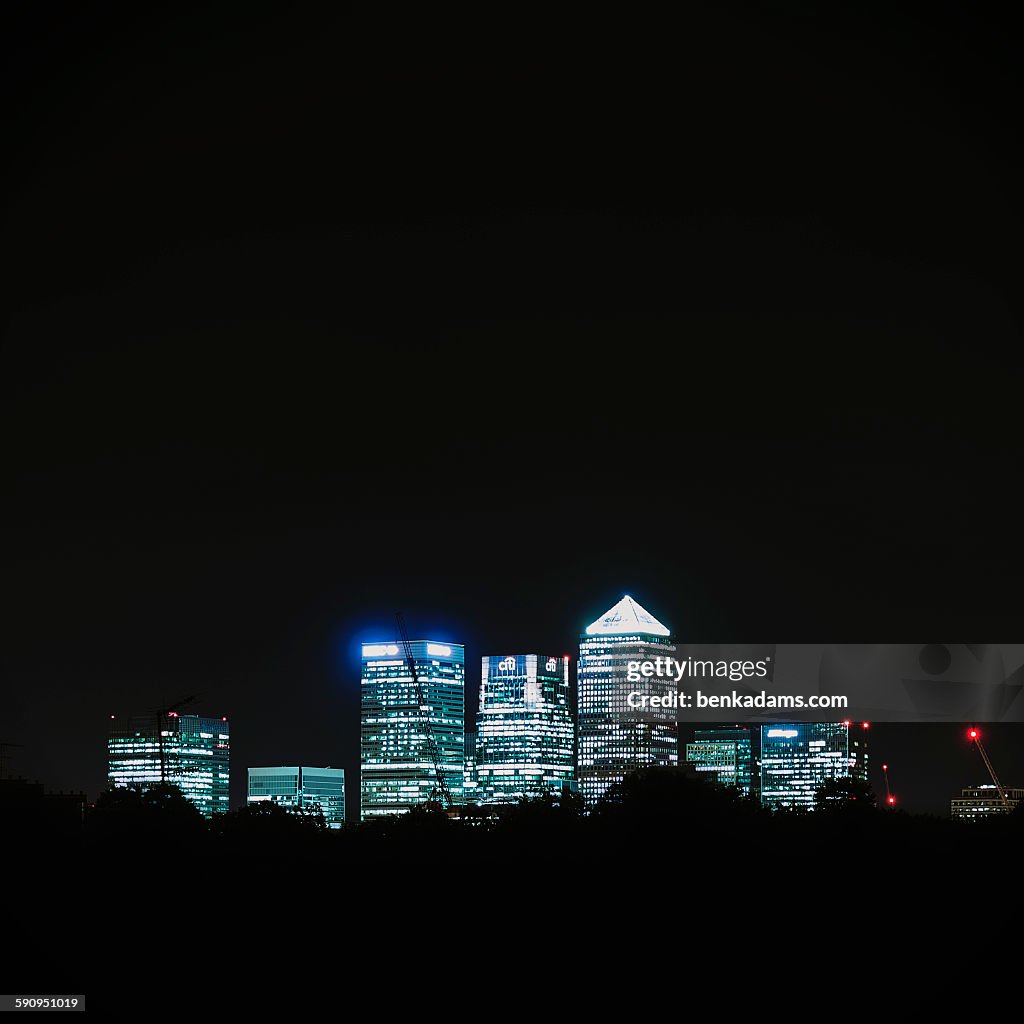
439	649
507	664
379	650
787	734
551	665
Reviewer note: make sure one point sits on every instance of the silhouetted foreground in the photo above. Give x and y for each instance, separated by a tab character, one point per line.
148	886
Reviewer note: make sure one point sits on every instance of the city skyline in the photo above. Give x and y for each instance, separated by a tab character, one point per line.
248	415
611	622
323	316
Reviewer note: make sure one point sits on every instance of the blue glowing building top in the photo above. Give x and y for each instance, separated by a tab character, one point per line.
397	765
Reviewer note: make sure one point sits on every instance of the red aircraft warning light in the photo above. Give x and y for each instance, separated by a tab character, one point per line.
973	734
865	725
892	800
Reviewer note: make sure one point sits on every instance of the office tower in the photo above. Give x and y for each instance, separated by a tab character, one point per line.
796	758
397	768
727	755
469	776
524	728
193	750
976	802
301	789
613	737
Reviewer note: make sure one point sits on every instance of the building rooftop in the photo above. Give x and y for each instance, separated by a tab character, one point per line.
625	618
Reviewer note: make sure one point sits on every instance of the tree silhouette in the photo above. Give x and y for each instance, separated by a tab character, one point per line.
670	793
845	795
158	810
267	819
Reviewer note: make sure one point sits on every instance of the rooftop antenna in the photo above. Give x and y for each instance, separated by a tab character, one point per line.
159	716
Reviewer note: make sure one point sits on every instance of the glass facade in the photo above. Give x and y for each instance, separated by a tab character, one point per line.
613	737
727	754
397	771
301	788
524	728
797	758
195	753
469	777
977	802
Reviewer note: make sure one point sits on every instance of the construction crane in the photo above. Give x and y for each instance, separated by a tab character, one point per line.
974	735
160	714
435	757
890	800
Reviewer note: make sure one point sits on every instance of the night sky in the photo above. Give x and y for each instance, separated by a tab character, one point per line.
315	317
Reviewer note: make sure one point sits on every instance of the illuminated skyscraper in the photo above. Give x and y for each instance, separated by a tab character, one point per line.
727	754
195	752
613	737
397	770
524	728
796	758
300	788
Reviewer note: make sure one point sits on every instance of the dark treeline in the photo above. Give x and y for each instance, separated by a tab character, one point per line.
652	806
668	860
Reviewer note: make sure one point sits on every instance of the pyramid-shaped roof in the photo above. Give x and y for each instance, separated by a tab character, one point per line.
627	617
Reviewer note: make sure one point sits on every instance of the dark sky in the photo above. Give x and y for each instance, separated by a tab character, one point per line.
314	317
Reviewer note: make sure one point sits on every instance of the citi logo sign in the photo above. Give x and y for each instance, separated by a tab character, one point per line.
551	665
507	664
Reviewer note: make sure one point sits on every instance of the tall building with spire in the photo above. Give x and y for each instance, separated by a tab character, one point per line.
614	738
